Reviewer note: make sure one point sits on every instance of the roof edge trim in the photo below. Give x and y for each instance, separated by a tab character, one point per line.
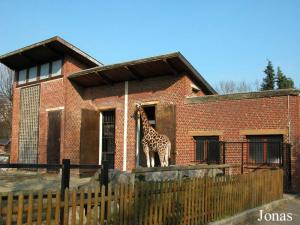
239	96
44	42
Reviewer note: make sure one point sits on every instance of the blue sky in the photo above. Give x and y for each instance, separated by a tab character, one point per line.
224	40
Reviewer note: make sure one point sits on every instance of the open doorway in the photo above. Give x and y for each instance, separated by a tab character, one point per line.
150	111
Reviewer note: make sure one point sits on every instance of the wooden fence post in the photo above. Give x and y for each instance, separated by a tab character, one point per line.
65	183
65	176
104	174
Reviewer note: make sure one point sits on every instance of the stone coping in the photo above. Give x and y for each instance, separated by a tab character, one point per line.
181	168
239	96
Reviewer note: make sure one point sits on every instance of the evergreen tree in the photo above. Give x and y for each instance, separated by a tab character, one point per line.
282	81
269	80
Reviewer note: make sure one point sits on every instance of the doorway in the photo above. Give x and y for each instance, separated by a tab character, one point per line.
54	135
107	138
150	111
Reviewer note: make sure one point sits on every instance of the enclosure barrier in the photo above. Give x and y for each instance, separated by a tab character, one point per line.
190	201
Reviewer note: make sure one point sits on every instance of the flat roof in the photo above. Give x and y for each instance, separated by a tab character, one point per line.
45	51
239	96
168	64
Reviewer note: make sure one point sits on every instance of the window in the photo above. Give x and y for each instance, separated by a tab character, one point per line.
22	76
207	149
265	149
56	68
40	72
150	112
32	74
44	74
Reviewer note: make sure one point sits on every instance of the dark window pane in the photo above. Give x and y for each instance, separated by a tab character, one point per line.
213	151
256	152
274	149
265	149
199	150
207	149
108	137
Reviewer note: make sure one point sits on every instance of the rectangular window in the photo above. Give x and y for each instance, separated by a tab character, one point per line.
265	149
56	68
32	74
22	76
44	74
108	138
207	149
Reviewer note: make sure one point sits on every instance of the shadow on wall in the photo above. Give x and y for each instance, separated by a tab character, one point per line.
295	173
147	85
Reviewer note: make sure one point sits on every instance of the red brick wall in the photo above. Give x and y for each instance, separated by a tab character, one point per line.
53	94
230	117
15	124
73	104
163	89
296	143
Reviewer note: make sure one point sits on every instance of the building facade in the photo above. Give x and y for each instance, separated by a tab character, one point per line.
66	104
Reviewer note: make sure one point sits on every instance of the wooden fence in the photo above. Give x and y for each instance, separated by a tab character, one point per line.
193	201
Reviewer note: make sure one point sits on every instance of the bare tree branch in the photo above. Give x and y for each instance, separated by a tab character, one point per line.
230	86
6	97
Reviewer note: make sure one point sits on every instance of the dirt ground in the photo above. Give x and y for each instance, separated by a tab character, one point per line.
31	181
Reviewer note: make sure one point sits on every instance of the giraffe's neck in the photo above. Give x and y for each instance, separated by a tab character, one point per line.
145	121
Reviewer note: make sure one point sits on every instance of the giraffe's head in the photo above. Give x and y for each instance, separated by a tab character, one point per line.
138	106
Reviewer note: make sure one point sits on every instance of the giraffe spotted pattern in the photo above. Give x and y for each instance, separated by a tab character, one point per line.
154	142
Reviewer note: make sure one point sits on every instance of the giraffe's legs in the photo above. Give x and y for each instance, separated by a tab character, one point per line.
146	151
166	157
167	154
152	159
148	159
161	159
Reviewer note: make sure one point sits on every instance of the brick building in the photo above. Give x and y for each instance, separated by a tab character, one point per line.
68	105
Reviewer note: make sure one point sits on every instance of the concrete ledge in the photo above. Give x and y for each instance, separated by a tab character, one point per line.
264	131
245	215
181	168
205	133
238	96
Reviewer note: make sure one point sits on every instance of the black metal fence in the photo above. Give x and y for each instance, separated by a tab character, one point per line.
250	155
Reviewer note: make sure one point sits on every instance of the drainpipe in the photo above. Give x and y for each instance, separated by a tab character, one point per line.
125	126
289	121
138	133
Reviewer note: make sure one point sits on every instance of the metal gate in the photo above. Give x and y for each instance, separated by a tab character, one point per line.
108	138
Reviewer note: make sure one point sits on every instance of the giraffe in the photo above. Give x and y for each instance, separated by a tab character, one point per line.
153	142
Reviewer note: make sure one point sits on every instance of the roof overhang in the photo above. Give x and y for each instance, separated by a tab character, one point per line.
45	51
169	64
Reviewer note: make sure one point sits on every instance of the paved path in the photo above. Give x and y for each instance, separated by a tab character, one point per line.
289	206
